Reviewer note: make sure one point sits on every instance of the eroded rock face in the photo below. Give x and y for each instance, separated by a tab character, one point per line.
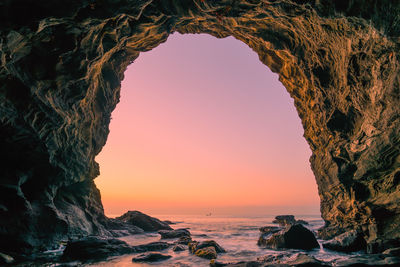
61	67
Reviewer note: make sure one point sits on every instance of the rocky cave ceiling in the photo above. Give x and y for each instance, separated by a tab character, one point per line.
61	67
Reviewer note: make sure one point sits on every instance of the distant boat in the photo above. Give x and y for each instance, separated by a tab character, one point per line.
208	214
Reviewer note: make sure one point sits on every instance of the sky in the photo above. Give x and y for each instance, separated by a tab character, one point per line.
203	126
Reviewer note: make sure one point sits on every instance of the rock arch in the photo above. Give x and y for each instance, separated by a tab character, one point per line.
61	67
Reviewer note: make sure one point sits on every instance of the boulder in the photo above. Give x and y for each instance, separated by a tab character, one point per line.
153	246
143	221
150	257
294	236
210	243
95	248
347	242
206	249
166	234
206	252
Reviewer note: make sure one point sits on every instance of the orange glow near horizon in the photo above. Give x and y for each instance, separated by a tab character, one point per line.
203	125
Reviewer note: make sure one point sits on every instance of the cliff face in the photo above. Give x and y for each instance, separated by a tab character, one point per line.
61	67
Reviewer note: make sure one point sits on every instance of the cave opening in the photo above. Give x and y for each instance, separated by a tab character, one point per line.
204	126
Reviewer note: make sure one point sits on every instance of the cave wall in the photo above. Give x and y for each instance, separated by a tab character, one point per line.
61	67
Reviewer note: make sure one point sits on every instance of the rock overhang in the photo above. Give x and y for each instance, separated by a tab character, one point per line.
61	73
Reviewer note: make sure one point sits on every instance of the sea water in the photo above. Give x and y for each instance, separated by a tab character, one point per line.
237	235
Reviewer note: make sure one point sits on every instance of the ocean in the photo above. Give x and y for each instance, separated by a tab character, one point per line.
237	235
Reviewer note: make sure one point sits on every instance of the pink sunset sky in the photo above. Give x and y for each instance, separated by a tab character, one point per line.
204	126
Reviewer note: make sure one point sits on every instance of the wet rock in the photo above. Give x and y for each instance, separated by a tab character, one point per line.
266	232
178	248
210	243
284	220
206	249
206	252
6	259
295	236
151	257
192	246
392	252
118	228
143	221
166	234
94	249
347	242
153	246
169	222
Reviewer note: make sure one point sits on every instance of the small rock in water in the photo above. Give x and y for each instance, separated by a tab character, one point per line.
166	234
169	222
207	249
153	246
6	259
210	243
151	257
347	242
206	252
294	236
143	221
284	220
178	248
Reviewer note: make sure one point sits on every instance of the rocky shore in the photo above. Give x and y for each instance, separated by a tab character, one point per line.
288	236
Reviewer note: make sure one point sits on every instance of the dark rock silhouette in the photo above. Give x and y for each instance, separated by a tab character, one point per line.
151	257
166	234
143	221
153	246
95	249
293	236
61	67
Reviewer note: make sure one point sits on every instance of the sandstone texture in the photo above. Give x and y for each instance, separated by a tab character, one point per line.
61	68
